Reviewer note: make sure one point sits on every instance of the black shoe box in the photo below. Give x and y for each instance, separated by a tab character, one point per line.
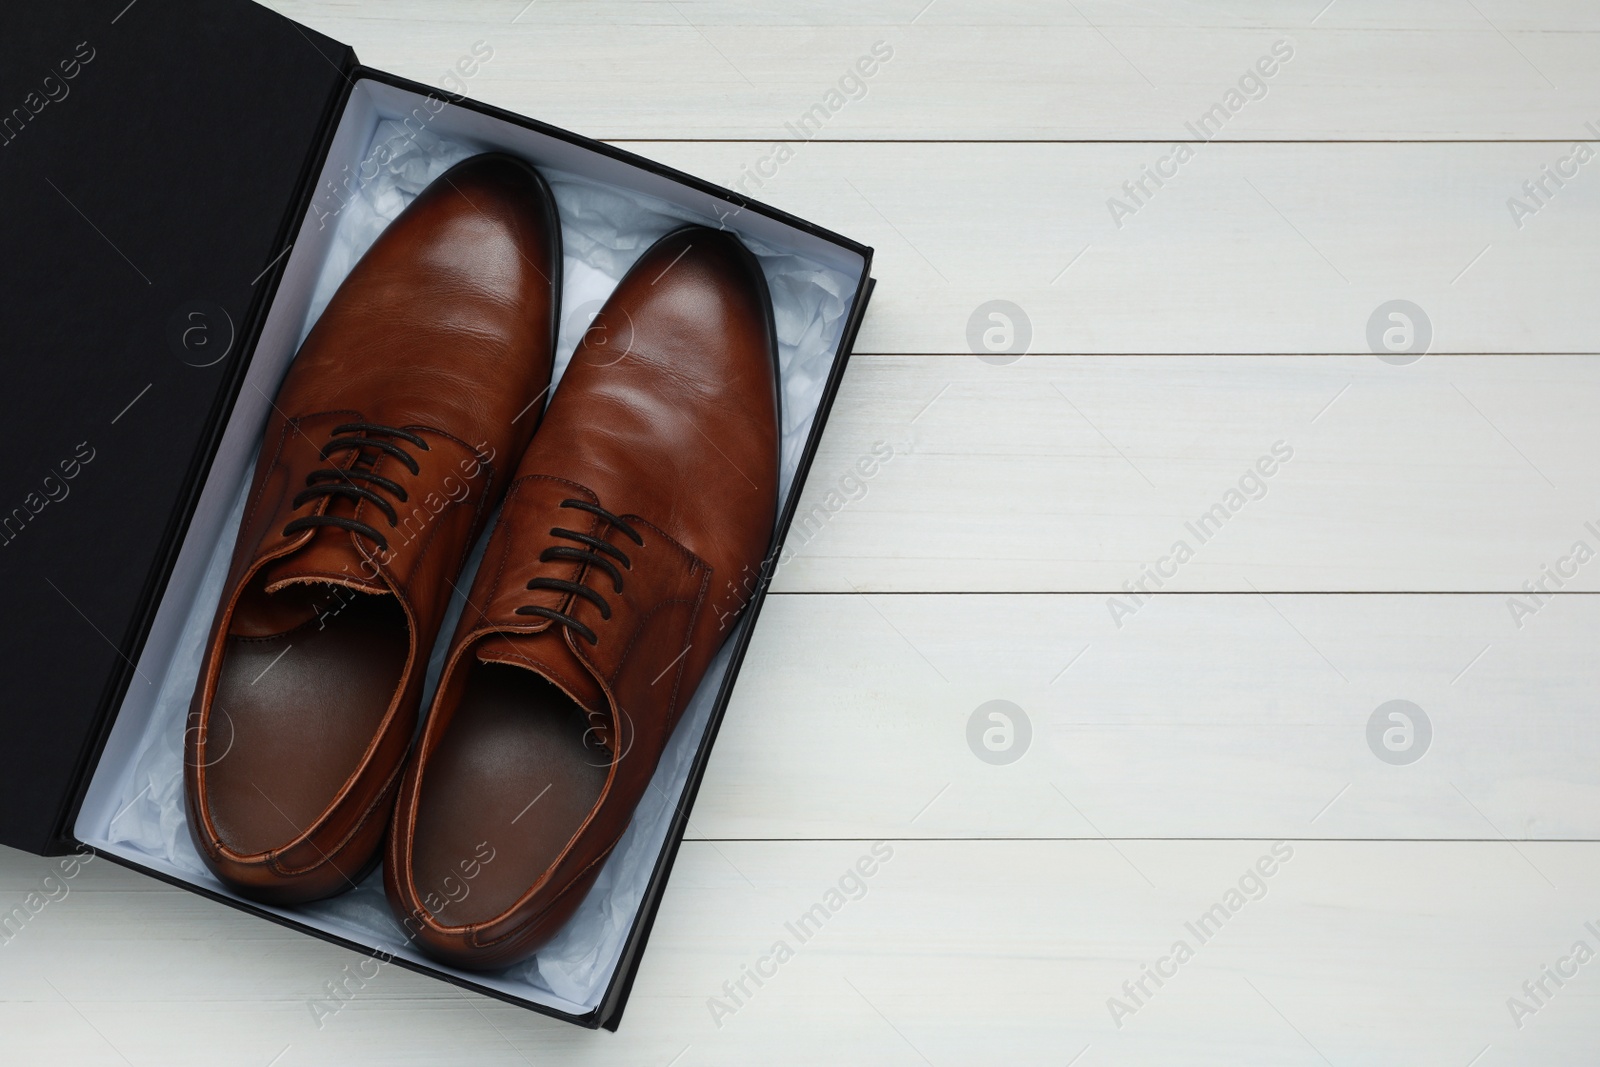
167	168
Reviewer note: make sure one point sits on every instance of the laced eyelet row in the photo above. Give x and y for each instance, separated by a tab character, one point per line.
371	440
595	554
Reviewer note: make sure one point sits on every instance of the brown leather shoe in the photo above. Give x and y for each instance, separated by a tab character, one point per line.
629	541
385	452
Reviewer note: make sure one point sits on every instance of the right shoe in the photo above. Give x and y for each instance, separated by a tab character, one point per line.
388	446
632	537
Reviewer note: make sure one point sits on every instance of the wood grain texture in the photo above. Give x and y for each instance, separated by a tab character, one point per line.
1011	70
957	952
1204	716
1076	473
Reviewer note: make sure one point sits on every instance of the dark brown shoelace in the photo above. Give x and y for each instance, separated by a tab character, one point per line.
594	554
371	440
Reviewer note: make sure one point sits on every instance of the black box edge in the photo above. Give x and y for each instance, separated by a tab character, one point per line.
615	999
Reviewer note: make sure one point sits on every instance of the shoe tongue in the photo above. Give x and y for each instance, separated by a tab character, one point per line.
548	655
331	557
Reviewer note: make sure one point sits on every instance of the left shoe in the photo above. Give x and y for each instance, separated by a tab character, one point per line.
385	455
632	536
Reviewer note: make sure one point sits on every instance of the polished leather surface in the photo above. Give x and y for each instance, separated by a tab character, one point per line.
308	695
539	744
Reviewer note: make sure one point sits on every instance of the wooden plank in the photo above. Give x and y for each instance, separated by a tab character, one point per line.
1249	248
1073	473
965	70
955	952
1202	716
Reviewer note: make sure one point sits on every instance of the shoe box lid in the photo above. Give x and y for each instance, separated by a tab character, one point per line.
153	156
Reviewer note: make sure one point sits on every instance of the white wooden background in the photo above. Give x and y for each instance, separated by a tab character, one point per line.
1169	753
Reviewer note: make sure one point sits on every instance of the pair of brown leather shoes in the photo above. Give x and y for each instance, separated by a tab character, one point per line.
650	484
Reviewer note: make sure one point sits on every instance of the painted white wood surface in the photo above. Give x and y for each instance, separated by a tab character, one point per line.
1021	897
1208	716
958	953
1073	473
1013	69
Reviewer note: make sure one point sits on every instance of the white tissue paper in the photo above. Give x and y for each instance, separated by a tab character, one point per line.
604	230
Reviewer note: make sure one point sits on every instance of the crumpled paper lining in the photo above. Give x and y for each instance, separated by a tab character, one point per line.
604	230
